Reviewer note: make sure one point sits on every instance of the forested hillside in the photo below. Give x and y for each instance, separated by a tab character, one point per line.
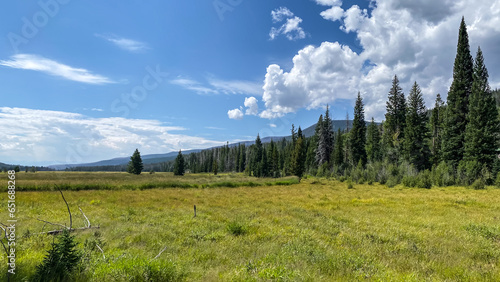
456	142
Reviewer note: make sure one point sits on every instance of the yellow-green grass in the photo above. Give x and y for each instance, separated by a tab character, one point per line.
44	181
317	230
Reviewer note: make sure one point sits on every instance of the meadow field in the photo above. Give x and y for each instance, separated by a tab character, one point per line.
259	229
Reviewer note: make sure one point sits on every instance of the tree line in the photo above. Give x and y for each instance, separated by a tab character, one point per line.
457	142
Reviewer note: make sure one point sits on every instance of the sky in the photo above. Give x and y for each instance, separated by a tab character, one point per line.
83	81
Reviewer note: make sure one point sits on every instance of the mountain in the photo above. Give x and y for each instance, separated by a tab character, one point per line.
160	158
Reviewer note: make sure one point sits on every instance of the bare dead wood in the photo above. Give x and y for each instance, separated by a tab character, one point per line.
160	253
88	221
70	217
101	251
48	222
1	240
55	232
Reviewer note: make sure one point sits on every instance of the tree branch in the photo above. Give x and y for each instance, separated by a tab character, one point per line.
70	218
88	221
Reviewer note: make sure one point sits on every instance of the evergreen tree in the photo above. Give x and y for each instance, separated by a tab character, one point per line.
325	138
179	168
458	100
299	157
436	125
135	165
338	152
256	165
395	118
483	127
373	149
264	165
60	260
358	133
416	149
215	167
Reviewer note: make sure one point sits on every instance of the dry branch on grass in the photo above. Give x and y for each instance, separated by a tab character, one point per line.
70	228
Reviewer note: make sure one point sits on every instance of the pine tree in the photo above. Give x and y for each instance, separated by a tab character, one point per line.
416	149
215	167
338	152
458	101
358	133
179	168
325	138
483	127
436	125
60	260
264	165
299	157
135	165
395	118
373	149
256	165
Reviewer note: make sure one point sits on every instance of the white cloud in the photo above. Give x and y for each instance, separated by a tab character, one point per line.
125	43
291	28
218	86
236	86
63	137
272	125
252	106
235	114
335	13
280	14
193	85
416	41
41	64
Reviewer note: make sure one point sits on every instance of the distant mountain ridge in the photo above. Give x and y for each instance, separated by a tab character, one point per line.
160	158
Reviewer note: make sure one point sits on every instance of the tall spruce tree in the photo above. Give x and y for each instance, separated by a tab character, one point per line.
257	157
395	118
483	126
135	165
373	149
325	138
358	133
458	101
436	125
179	164
415	145
299	157
338	152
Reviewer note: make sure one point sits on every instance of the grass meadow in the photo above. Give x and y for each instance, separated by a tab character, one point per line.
317	230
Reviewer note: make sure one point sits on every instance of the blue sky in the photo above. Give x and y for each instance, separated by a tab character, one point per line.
83	81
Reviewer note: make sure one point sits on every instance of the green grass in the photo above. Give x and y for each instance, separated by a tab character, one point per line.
318	230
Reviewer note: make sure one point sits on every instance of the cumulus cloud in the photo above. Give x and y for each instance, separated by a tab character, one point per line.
291	28
416	41
125	43
252	106
51	67
235	114
42	136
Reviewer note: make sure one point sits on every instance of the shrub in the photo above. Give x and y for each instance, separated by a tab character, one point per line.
410	181
236	228
478	184
424	179
349	184
497	183
392	181
442	175
60	260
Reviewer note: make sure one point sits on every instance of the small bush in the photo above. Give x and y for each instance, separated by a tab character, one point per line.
424	180
478	184
410	181
392	181
342	178
60	260
497	182
236	228
349	184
